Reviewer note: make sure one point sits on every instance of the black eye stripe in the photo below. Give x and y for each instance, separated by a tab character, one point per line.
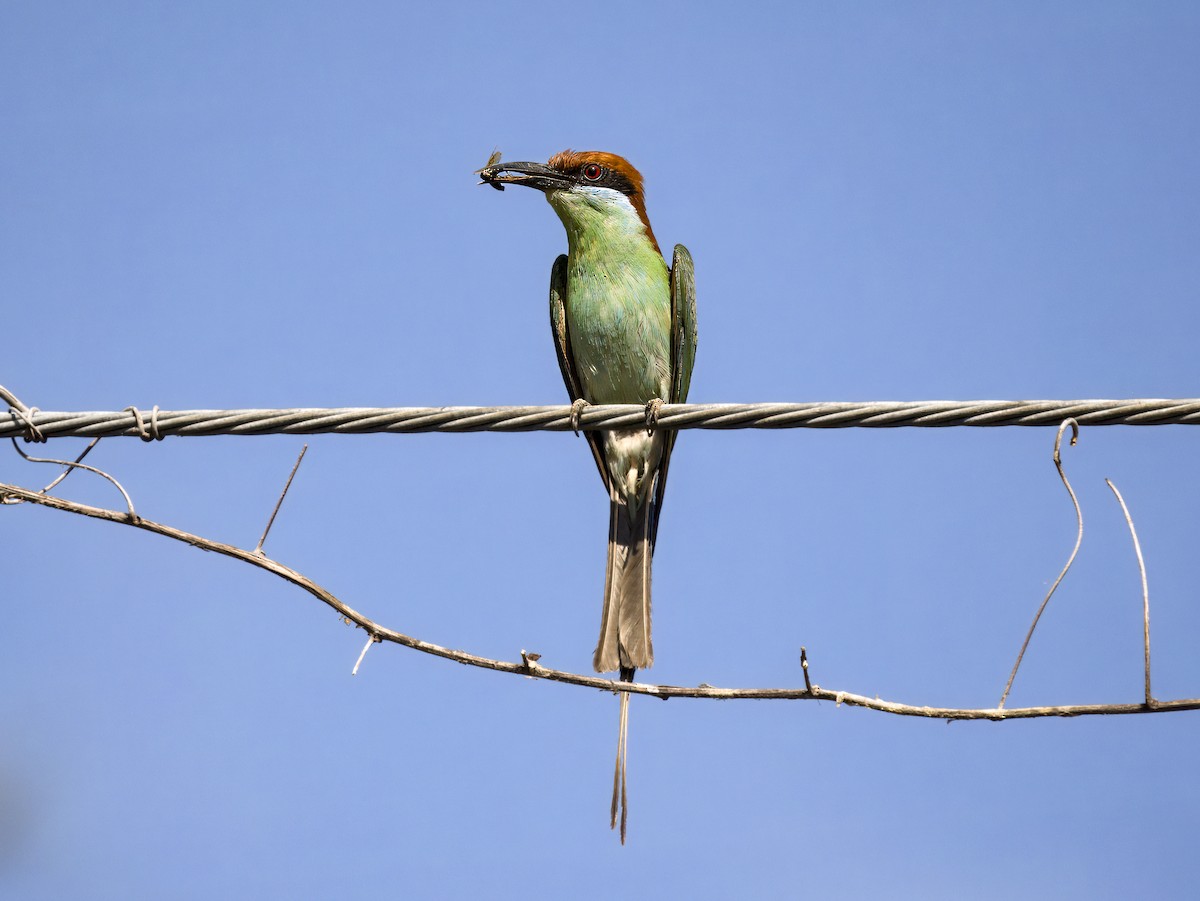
607	178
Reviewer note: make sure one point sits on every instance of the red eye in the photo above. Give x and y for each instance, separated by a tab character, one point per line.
592	172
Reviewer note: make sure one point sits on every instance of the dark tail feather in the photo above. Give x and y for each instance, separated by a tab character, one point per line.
620	798
625	621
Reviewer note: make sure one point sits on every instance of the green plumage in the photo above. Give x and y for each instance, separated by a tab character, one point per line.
624	328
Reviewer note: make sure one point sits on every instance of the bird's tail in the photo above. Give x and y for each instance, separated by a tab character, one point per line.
620	799
625	621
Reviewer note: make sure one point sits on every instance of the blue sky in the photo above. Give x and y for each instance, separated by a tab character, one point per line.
222	206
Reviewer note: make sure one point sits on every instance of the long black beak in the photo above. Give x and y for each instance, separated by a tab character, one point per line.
532	175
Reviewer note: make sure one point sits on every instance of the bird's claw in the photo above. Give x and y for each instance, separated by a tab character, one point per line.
577	406
652	408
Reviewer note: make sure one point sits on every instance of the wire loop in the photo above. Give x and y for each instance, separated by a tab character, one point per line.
151	434
24	415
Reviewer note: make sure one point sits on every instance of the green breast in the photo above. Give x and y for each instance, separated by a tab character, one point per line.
619	320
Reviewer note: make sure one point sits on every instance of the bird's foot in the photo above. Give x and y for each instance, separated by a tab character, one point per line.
652	408
577	406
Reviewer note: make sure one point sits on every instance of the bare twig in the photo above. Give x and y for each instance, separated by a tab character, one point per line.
70	469
279	503
383	633
804	667
62	475
371	639
1078	541
77	465
1137	548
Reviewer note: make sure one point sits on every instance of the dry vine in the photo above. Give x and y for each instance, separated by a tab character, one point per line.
529	666
1074	426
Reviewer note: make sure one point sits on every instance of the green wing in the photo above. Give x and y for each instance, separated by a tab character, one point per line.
683	323
683	357
566	360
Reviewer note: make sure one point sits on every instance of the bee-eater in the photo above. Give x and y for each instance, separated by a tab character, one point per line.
624	329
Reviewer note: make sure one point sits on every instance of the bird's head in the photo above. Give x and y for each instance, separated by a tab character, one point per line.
584	187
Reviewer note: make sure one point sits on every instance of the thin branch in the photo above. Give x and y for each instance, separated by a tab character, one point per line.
1137	548
70	469
804	668
530	667
77	465
279	503
371	639
1078	541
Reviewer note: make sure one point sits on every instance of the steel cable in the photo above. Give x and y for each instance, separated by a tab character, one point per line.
364	420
